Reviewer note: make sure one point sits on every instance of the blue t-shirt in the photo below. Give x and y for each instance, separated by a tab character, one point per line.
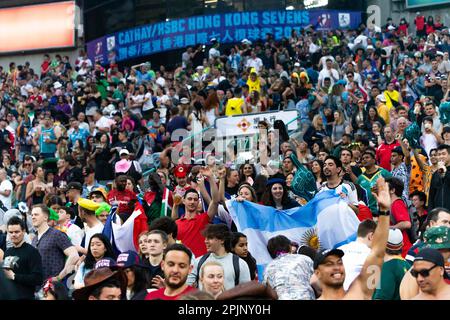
177	122
81	134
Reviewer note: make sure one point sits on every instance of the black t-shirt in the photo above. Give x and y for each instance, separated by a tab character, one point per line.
26	263
232	191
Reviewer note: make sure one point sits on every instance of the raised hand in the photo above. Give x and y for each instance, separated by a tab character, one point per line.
382	195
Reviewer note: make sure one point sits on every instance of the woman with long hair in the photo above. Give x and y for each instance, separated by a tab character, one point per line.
211	108
37	188
79	152
137	275
276	195
339	127
99	248
247	173
104	171
317	170
316	131
239	246
373	116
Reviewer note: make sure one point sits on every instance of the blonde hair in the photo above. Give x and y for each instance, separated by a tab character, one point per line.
208	264
341	117
315	122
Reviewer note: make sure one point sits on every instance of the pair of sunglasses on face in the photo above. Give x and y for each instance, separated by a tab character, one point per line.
424	272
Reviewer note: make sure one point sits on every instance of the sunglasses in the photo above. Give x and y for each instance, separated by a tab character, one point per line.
424	272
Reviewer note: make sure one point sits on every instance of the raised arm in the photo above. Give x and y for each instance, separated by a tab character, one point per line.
213	206
366	282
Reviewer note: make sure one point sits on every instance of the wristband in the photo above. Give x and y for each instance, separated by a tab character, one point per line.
384	213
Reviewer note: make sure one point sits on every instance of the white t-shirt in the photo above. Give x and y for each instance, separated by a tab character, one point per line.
89	232
6	185
75	234
344	187
103	122
355	254
148	105
254	63
332	74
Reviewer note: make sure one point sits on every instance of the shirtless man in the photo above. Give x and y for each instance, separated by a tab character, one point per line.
429	271
329	268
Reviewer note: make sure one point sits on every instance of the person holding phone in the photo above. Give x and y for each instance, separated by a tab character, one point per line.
440	181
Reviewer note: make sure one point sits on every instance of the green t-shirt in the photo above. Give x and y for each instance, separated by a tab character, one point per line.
392	273
118	95
367	183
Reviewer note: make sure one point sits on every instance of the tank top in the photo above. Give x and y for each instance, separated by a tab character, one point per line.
47	147
211	116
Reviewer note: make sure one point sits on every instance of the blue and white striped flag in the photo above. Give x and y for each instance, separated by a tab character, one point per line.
324	222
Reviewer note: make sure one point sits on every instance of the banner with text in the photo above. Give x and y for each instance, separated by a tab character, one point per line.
247	124
226	28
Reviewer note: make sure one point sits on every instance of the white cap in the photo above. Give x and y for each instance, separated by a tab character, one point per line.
390	28
200	68
381	97
246	41
184	100
395	239
124	151
297	64
57	85
418	54
439	53
370	47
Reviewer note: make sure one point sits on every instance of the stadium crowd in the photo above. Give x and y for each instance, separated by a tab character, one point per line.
84	144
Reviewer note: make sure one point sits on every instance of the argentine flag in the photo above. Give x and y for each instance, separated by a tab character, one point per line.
324	222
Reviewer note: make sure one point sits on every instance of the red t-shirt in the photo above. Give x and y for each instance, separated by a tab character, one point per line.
123	198
420	22
190	233
383	155
400	213
159	294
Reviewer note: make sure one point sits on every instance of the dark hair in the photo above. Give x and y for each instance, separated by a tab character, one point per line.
307	251
55	200
14	221
164	236
59	291
141	279
365	227
396	184
89	262
443	147
235	236
433	215
241	172
165	224
320	162
219	231
277	245
178	247
43	207
393	252
267	197
191	190
110	283
282	130
336	161
259	185
422	196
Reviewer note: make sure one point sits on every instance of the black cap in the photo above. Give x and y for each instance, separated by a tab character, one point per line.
75	185
433	256
321	256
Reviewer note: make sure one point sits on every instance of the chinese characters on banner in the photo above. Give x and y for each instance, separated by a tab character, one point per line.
226	28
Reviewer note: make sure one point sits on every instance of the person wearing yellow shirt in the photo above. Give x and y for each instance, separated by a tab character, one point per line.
254	82
382	108
235	105
393	97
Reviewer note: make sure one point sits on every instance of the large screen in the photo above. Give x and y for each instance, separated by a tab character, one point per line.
37	27
422	3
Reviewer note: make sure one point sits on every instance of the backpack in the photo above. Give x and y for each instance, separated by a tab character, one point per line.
237	270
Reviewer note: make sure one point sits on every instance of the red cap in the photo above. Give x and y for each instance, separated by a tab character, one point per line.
180	171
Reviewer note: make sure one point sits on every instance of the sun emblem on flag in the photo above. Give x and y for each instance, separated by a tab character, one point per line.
310	239
244	125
